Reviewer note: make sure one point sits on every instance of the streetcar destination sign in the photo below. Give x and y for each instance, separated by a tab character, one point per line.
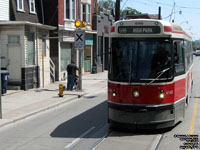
139	30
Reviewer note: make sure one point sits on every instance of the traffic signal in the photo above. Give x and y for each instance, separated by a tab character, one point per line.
80	24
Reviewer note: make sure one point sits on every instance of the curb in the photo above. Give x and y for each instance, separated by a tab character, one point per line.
41	110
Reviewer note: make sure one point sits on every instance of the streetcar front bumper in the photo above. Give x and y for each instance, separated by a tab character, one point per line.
144	116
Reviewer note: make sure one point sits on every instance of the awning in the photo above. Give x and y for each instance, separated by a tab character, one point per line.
39	25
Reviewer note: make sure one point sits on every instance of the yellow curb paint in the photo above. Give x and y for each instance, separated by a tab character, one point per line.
191	131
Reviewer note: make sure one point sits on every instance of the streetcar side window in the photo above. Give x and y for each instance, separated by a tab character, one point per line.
179	57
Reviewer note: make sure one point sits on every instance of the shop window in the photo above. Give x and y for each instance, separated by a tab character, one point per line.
65	55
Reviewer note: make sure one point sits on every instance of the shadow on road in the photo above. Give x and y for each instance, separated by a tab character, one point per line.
96	118
92	119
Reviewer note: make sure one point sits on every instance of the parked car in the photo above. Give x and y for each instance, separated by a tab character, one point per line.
196	53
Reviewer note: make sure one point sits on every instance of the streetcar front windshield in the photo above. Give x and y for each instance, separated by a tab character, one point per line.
140	59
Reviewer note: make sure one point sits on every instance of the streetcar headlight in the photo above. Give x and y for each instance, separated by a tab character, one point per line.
114	93
136	93
162	95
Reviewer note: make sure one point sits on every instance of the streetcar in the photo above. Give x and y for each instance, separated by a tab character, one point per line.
150	74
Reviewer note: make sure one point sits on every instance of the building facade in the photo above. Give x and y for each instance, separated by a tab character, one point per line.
23	39
62	40
102	22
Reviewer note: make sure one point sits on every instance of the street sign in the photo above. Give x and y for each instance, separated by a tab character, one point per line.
79	39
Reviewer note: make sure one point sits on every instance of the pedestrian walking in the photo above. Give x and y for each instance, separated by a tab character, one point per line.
71	74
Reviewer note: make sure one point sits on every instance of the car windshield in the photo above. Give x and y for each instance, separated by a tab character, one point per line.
140	59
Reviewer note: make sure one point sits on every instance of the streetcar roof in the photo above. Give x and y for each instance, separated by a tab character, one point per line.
167	28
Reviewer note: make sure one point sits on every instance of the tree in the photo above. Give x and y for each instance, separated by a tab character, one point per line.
129	11
106	4
110	5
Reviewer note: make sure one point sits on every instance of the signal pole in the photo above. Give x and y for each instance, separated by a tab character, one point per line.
80	70
79	44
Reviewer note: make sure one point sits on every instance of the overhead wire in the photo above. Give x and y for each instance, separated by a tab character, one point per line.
169	5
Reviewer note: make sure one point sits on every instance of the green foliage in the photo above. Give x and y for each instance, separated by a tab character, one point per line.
110	5
106	4
129	11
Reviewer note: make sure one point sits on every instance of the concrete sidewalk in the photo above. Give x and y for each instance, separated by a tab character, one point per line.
17	105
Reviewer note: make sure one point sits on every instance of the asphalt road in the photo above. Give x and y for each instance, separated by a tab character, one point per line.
81	124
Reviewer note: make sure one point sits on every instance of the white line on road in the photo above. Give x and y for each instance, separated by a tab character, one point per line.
101	141
156	142
78	139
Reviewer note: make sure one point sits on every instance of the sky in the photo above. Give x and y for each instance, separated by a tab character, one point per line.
184	12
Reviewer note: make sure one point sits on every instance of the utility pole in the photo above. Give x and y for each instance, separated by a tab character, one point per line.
0	93
117	10
159	13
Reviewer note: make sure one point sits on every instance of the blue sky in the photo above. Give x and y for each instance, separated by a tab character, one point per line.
184	12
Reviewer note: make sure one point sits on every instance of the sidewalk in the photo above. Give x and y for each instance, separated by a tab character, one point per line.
18	105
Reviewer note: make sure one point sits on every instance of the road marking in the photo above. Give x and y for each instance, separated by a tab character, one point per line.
156	142
78	139
101	140
191	131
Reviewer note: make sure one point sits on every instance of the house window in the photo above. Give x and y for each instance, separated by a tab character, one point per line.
73	9
20	5
94	6
44	46
13	39
32	6
84	12
89	9
31	50
70	9
67	10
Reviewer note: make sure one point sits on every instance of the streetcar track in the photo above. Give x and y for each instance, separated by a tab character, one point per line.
100	141
159	142
77	140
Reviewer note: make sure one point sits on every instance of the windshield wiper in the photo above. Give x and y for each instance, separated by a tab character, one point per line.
160	74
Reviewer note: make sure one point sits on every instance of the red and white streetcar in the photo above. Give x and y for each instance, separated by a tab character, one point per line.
150	74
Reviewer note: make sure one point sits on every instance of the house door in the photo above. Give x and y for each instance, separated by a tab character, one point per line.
14	62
